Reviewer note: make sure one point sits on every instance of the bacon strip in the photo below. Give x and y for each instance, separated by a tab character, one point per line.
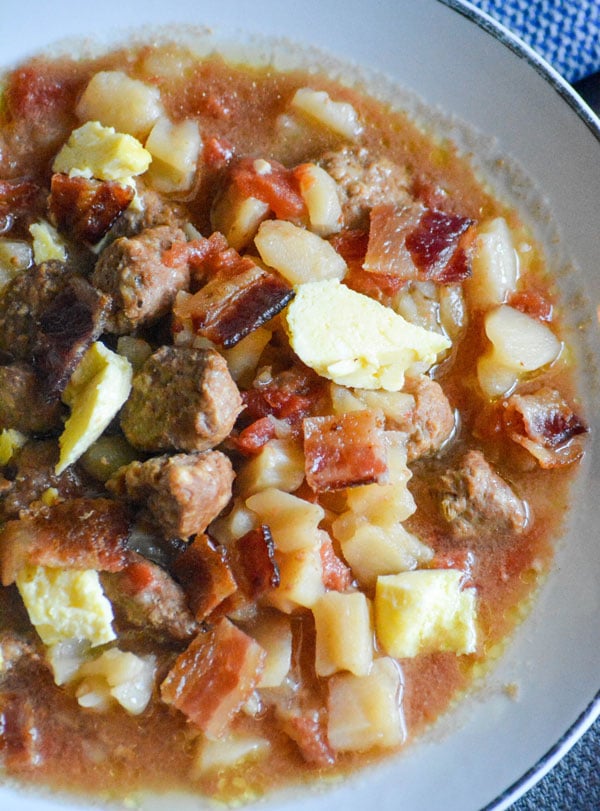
230	306
213	678
546	426
308	731
86	209
415	243
336	575
21	197
82	533
204	571
344	451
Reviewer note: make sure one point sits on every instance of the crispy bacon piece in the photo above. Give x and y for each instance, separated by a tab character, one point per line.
344	451
308	730
148	597
415	243
204	571
254	563
83	533
213	678
86	209
19	735
278	187
19	198
67	327
336	575
233	304
546	426
352	245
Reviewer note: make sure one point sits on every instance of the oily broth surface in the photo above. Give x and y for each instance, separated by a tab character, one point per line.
155	751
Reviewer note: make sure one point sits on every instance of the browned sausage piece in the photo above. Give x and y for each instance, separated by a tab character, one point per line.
184	492
477	502
142	287
23	403
181	399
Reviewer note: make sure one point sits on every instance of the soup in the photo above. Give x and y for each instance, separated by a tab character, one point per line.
287	425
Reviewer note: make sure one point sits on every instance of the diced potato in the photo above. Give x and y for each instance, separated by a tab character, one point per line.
273	633
385	504
425	611
237	217
224	753
293	521
66	603
175	150
344	400
116	100
301	580
338	116
65	658
96	391
47	243
299	255
521	343
495	265
10	442
15	256
136	350
495	379
319	192
279	464
372	551
354	340
344	633
366	711
242	359
106	455
103	153
238	522
118	675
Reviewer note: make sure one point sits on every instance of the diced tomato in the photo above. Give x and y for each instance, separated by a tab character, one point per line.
218	152
533	303
33	93
278	187
255	435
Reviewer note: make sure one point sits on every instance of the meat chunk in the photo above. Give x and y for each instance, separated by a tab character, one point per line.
32	474
213	678
153	211
545	425
181	399
364	182
184	492
83	533
476	501
344	451
204	571
23	403
146	596
430	422
141	286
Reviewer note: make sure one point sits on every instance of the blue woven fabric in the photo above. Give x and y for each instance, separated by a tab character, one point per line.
565	32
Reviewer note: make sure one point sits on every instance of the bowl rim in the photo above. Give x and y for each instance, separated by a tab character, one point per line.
566	91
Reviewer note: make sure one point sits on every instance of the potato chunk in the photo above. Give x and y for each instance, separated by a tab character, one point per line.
344	633
366	711
495	265
299	255
116	100
338	116
175	150
425	611
319	191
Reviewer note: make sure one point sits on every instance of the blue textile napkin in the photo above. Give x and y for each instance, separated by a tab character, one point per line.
566	33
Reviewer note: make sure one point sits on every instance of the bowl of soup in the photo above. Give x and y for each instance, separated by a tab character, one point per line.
298	341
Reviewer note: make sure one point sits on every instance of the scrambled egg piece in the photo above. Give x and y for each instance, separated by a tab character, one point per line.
425	611
47	243
96	391
354	340
101	152
65	604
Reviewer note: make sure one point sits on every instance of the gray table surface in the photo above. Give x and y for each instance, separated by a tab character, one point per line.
574	784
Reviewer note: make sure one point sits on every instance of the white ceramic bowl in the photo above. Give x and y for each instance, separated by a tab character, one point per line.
493	747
